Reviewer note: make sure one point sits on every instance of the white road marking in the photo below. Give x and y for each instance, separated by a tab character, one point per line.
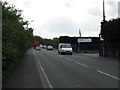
108	75
37	60
75	62
81	64
60	56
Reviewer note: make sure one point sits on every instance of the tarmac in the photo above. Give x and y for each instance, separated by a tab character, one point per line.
26	74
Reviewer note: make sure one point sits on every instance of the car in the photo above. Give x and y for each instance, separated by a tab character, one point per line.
49	47
38	48
44	46
65	48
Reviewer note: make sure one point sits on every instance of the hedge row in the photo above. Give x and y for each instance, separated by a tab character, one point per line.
16	38
44	41
110	30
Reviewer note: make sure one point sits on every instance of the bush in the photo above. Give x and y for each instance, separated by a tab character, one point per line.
16	38
110	30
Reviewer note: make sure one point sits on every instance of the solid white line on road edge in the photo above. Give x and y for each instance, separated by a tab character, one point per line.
36	58
108	75
81	64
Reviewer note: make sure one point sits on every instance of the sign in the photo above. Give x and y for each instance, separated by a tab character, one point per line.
84	40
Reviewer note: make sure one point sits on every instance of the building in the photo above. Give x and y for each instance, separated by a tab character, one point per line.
82	44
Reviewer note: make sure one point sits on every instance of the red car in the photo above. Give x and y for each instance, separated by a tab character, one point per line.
49	47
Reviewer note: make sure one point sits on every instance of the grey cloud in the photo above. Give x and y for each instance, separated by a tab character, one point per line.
90	28
111	3
112	12
62	26
67	4
113	8
95	12
26	3
119	9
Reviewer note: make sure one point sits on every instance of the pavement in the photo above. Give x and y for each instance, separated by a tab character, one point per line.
26	74
96	55
90	54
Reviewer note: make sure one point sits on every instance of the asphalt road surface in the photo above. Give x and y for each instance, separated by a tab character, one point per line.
76	71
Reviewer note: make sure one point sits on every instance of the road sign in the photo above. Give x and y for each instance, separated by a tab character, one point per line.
84	40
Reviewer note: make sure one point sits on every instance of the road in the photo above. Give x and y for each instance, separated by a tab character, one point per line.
76	71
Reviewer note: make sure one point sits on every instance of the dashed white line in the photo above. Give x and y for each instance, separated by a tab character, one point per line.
81	64
60	56
75	61
108	74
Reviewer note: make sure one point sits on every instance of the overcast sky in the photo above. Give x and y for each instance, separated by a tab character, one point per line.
54	18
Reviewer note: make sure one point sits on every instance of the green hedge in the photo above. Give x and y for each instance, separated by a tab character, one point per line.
17	38
110	30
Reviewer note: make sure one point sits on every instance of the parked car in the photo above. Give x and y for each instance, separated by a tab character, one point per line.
49	47
44	46
38	48
65	48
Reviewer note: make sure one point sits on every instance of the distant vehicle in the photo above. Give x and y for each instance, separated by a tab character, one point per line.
38	47
41	45
49	47
44	46
65	48
36	43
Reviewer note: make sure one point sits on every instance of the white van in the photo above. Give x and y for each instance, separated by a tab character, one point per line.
65	48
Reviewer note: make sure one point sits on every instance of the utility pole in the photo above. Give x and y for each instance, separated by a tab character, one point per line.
79	32
79	42
103	11
102	51
104	42
119	9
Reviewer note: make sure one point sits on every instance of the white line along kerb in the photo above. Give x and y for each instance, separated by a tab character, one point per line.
108	75
42	70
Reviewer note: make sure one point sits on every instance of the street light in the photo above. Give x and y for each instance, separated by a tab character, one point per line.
79	40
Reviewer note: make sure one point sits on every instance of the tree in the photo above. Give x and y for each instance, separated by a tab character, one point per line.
16	37
55	42
110	30
38	38
64	39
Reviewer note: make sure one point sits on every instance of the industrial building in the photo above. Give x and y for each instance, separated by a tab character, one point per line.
82	44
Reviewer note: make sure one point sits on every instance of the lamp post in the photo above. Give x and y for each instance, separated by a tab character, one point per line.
103	11
79	41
